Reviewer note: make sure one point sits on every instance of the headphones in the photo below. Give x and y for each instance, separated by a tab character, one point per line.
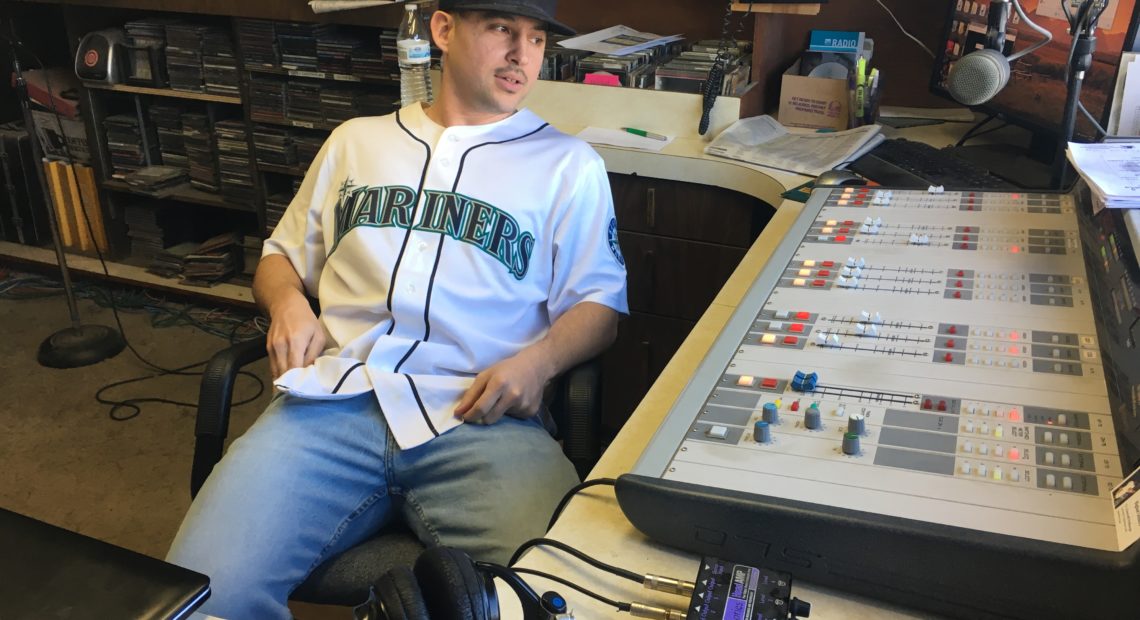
446	584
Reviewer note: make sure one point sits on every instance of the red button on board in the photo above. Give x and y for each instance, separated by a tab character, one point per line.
845	230
768	383
927	404
950	344
957	294
953	329
823	272
949	357
797	328
803	316
942	405
961	273
828	263
840	238
791	340
818	283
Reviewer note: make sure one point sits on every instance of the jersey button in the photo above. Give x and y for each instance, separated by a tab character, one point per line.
423	246
445	162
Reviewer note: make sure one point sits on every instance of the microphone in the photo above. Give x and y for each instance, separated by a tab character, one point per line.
980	75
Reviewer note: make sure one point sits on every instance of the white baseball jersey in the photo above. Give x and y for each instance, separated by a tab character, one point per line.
436	253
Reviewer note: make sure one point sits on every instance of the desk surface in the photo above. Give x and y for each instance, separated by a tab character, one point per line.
594	523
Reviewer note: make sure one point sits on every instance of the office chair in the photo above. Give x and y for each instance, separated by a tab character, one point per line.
574	402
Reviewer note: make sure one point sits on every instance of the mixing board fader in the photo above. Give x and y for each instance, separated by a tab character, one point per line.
909	362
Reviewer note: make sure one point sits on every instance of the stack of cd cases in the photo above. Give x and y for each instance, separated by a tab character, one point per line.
167	119
258	40
297	44
184	56
219	64
274	146
266	98
275	206
125	141
303	101
233	161
199	140
335	53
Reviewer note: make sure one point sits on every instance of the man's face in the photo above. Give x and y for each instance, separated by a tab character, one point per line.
492	59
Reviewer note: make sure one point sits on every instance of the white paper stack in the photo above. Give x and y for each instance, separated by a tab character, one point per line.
1112	170
1124	115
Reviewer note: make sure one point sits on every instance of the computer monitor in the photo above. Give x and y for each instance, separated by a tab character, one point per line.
1036	92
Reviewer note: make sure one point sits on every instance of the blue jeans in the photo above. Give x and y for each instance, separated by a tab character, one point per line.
311	479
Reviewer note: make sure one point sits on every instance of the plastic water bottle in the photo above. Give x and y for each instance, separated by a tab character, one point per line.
413	46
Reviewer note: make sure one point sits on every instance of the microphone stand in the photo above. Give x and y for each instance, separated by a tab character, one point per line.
1083	47
78	345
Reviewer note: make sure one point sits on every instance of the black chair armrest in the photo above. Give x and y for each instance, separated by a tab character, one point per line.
577	412
214	397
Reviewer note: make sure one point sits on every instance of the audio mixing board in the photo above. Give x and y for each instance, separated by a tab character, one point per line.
910	402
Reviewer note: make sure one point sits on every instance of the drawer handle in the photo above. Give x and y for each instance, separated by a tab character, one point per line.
650	207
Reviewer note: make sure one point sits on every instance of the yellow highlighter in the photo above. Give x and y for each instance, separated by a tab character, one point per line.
860	87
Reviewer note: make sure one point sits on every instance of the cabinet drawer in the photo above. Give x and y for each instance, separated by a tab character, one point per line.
675	278
644	345
687	210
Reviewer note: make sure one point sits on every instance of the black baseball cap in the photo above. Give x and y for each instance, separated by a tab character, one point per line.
542	10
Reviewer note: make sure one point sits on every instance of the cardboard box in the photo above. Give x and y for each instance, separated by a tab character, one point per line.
819	103
47	130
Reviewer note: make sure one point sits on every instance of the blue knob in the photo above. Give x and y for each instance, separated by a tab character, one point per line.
771	413
762	432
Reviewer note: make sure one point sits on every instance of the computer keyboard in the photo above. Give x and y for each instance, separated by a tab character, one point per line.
909	164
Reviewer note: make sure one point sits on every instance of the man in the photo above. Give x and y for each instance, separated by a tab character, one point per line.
463	254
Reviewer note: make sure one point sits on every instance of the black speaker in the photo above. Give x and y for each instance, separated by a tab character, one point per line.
23	212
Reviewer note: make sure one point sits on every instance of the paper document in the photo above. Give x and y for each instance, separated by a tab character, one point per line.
617	41
330	6
617	137
763	141
1112	170
1124	115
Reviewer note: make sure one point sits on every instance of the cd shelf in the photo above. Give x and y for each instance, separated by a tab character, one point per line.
182	193
165	92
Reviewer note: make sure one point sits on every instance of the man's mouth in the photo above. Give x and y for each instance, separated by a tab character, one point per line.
511	79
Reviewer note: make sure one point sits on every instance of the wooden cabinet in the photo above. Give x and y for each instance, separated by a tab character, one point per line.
681	242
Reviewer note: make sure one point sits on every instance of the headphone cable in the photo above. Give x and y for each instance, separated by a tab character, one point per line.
594	595
574	491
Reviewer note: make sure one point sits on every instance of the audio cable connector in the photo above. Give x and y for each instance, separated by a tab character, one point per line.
668	584
641	610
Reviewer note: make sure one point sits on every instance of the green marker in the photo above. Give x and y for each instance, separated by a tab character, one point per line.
644	134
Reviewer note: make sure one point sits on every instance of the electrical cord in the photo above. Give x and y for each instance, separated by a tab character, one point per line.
598	564
715	79
572	492
971	131
130	404
908	35
594	595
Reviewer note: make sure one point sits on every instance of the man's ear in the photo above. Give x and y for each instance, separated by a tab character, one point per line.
442	29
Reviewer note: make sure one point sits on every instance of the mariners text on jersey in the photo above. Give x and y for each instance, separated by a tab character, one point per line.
460	217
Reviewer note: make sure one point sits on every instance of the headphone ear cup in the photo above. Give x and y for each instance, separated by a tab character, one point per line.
452	587
400	596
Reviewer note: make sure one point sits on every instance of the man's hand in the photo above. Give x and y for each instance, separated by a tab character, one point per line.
295	336
513	386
